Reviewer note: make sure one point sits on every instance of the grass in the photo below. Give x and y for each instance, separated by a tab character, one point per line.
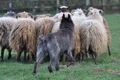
86	70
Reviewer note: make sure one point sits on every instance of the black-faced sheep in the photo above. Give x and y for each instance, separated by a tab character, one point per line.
55	44
23	37
6	25
93	35
64	8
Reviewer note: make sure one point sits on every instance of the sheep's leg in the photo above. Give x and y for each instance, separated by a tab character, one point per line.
30	57
94	55
18	56
70	58
2	53
64	59
109	52
82	55
9	53
24	55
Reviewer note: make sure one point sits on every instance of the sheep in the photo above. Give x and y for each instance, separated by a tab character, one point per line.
9	14
56	44
93	35
6	25
103	20
41	16
63	8
24	15
44	26
23	38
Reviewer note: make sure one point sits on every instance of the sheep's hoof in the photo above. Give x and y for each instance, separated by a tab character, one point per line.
33	74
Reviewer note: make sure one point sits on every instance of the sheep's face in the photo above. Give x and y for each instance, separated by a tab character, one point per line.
24	15
1	34
92	10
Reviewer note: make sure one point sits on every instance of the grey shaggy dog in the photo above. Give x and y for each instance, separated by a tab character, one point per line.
55	44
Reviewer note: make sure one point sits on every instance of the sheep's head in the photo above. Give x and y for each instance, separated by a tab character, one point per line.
64	8
9	14
24	15
94	10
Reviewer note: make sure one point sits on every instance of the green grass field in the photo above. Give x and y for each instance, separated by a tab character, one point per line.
108	67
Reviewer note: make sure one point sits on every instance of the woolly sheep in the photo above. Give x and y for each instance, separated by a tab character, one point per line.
103	20
41	16
24	15
6	25
23	37
44	26
9	14
93	36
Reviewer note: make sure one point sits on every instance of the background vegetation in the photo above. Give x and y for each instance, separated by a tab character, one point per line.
108	67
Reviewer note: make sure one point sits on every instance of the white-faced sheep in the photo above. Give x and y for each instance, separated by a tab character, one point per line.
103	20
23	37
6	25
93	35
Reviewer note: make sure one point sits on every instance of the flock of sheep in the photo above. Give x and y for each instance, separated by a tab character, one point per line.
20	32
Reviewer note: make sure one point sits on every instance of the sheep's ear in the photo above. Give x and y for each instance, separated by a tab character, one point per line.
59	8
16	15
101	11
35	17
68	7
30	15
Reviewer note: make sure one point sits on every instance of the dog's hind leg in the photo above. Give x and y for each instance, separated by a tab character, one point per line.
52	59
57	63
39	58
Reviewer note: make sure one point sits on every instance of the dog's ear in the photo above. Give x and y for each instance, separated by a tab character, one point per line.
63	16
69	16
42	38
